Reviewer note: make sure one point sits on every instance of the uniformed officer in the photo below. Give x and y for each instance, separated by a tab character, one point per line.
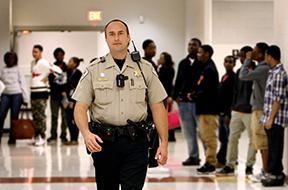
122	161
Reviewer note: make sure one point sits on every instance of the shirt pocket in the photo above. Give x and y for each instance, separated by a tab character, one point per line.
103	92
138	92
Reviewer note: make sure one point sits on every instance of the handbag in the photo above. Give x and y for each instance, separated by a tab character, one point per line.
23	128
173	117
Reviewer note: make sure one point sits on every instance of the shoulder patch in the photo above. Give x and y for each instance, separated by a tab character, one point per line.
85	73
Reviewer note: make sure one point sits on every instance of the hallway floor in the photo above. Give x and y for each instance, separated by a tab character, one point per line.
62	167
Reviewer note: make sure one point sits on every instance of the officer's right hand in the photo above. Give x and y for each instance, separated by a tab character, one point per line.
91	141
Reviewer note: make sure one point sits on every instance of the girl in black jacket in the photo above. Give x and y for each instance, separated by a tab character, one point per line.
74	76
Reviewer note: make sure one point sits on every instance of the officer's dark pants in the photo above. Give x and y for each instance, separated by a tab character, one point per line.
275	149
121	162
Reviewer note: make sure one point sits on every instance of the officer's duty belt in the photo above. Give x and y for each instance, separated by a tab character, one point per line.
110	132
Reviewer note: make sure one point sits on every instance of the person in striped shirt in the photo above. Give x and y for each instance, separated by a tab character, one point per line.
275	116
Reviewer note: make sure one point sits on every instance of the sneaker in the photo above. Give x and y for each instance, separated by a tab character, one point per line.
40	141
274	180
51	140
225	171
258	177
190	162
64	139
249	171
207	168
32	141
158	169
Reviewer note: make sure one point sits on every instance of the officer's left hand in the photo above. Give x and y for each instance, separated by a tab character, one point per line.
161	155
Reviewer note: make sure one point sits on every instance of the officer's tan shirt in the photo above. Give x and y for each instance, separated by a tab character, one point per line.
114	105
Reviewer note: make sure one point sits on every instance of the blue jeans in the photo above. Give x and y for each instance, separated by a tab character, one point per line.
223	135
189	123
13	101
73	129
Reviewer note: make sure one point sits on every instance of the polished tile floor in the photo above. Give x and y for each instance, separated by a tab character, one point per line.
62	167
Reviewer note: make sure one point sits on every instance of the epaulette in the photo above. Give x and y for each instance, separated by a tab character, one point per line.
102	59
98	60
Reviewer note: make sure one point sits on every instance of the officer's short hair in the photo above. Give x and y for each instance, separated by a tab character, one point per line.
116	20
146	43
274	51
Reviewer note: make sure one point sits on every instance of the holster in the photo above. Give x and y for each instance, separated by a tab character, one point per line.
146	128
152	136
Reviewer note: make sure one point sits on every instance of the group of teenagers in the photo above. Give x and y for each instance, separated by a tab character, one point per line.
254	98
57	80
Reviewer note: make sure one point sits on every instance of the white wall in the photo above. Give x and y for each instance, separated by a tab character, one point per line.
171	24
239	23
4	31
164	20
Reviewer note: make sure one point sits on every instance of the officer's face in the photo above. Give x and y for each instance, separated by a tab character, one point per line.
117	37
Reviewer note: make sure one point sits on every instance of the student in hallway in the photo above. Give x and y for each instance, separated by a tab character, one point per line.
275	116
73	79
15	93
226	89
39	88
206	97
240	120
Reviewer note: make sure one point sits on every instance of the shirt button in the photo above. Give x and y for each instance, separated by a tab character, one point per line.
121	100
121	112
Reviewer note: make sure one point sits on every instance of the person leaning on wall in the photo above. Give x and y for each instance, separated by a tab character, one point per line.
15	93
